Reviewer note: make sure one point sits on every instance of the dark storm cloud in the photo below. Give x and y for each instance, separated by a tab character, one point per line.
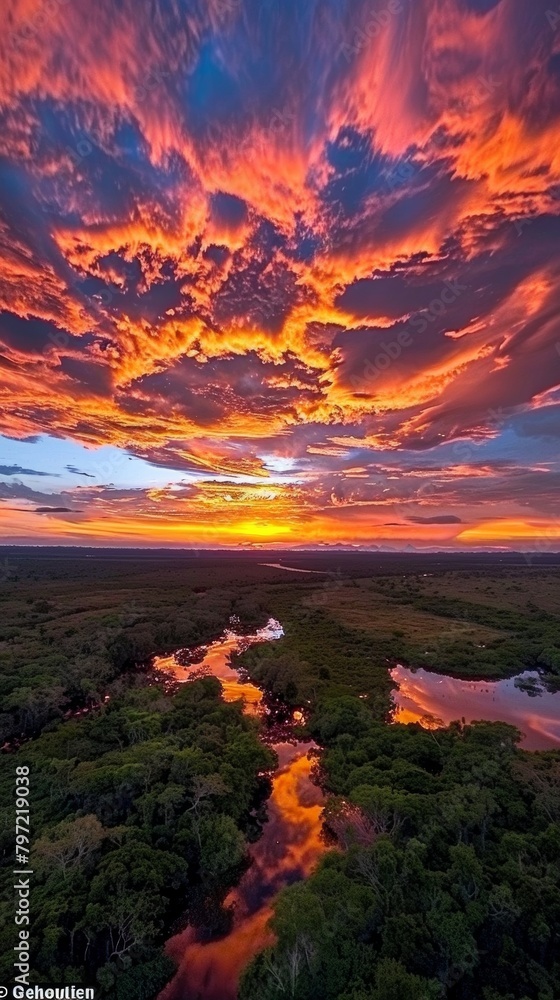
34	336
206	392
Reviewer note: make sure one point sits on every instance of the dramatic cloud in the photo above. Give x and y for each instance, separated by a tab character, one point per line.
305	256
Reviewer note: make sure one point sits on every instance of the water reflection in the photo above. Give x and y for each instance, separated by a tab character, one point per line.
287	851
215	660
293	569
435	699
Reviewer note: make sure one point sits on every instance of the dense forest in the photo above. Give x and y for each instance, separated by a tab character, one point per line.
447	883
443	878
140	814
143	794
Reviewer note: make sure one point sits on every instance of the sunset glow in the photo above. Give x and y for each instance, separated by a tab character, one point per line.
274	275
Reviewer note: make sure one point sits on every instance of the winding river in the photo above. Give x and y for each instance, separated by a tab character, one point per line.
287	851
291	842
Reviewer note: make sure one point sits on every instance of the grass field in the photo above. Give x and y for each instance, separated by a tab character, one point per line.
367	609
517	590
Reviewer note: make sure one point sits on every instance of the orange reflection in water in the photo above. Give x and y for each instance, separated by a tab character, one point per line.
434	699
287	850
216	662
212	971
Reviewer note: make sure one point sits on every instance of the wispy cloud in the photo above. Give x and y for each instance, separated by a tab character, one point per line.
17	470
78	472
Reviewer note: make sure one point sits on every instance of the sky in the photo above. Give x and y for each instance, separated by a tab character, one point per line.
280	273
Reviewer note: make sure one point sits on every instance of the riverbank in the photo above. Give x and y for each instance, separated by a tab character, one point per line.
450	859
290	843
436	699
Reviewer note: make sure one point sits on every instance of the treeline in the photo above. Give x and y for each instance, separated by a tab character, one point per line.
320	657
448	884
530	637
142	808
69	647
140	815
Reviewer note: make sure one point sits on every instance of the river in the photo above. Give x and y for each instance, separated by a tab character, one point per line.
291	842
288	849
436	699
294	569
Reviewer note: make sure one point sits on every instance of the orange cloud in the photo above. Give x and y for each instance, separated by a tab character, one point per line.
226	236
